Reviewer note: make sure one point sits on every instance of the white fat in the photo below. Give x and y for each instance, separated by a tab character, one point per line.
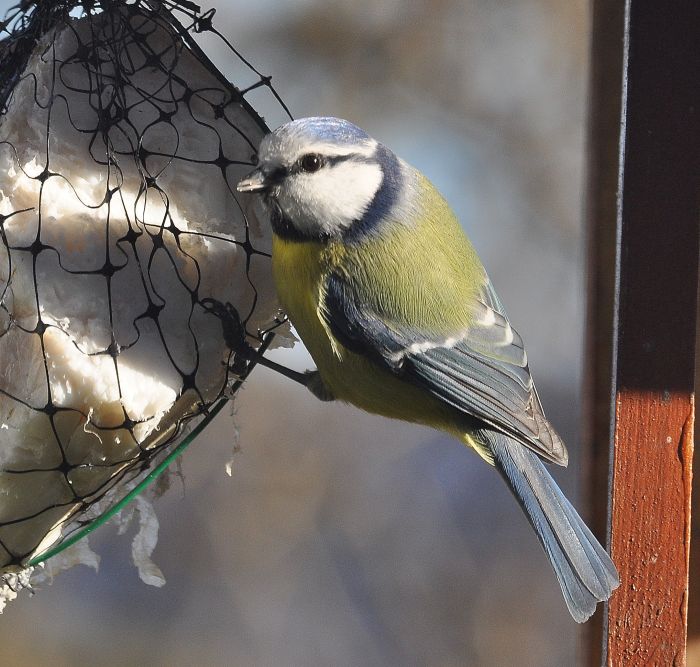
145	542
10	585
331	198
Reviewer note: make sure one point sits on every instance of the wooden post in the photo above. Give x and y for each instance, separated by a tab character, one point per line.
652	325
694	582
605	108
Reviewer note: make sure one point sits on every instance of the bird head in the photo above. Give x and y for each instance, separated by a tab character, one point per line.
324	178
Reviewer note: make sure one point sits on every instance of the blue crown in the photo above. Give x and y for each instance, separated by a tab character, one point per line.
325	128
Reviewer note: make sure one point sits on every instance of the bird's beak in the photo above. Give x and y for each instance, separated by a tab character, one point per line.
255	181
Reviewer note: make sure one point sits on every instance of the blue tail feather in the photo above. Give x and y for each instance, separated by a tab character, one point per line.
584	570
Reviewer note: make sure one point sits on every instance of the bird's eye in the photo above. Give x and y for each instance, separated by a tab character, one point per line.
310	163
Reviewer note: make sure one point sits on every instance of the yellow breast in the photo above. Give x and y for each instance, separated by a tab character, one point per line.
300	269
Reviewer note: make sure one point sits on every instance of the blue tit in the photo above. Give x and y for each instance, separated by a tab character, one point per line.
400	317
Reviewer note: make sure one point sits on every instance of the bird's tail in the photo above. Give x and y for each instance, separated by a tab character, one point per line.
584	570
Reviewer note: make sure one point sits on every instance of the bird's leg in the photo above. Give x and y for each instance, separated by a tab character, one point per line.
309	379
234	336
317	387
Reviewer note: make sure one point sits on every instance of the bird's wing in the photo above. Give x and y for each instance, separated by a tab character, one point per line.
481	370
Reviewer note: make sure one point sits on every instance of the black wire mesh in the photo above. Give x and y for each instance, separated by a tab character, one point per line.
134	280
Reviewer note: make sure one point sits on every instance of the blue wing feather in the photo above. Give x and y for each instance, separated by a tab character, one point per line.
482	373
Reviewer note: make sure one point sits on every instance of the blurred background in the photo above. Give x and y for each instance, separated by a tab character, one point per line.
343	538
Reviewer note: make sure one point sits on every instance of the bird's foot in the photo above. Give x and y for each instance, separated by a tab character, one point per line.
315	385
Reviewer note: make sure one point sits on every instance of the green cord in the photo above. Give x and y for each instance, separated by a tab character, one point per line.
146	481
158	470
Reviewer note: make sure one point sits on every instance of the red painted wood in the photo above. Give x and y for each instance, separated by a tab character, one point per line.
651	528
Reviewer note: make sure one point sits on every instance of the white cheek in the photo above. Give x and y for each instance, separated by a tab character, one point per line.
331	198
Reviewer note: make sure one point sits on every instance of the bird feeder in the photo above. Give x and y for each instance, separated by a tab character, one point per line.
135	282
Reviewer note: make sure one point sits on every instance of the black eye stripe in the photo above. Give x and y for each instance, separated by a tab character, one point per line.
276	175
338	159
332	161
